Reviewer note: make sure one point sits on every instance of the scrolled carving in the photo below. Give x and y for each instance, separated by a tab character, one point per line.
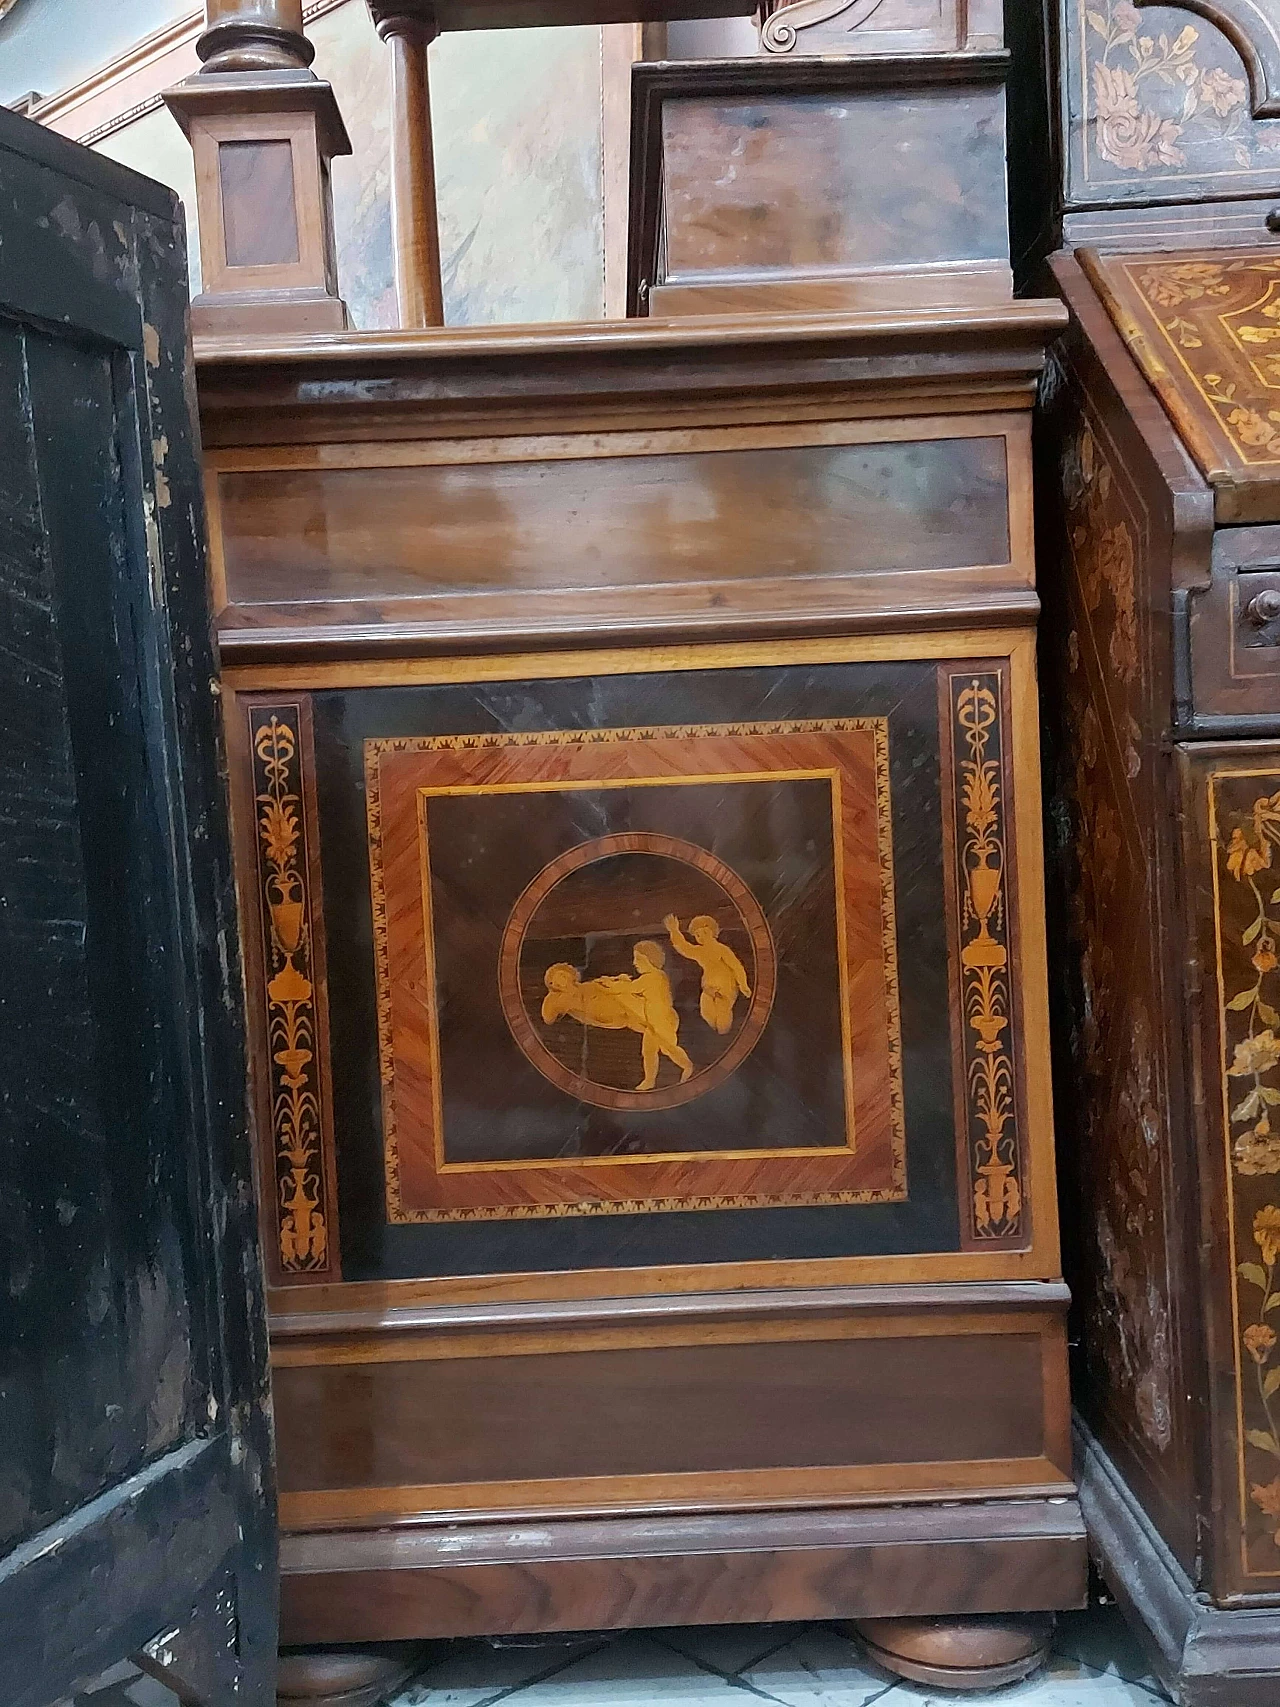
781	29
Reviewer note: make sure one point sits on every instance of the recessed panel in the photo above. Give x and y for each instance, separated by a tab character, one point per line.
289	535
662	1411
674	951
814	184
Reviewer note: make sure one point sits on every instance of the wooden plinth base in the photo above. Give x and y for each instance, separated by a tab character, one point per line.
1206	1656
331	1677
958	1653
988	1557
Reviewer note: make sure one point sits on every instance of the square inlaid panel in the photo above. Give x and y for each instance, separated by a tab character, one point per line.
671	951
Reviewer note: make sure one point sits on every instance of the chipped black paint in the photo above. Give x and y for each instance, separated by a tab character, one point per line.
135	1472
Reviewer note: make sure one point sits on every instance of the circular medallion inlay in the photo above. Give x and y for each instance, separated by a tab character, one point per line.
637	971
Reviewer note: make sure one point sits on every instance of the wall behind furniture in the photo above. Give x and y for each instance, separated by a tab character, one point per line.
530	139
46	45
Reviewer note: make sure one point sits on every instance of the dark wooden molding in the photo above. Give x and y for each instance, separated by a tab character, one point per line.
139	1532
884	1561
1206	1655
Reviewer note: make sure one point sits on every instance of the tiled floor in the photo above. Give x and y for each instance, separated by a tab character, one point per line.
1095	1663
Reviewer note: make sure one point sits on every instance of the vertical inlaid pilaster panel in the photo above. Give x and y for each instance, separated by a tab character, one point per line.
290	1021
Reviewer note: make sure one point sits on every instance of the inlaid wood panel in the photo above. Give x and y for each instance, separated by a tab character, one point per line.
285	932
1232	797
665	996
1161	104
744	986
1202	324
1122	504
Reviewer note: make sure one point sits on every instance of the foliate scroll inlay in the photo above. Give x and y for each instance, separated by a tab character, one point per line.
990	1082
1165	98
1206	328
303	1213
1245	829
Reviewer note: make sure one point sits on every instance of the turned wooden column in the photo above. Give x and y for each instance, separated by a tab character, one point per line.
409	27
254	35
263	130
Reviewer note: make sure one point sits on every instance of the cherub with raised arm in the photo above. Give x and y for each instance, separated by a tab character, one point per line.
723	974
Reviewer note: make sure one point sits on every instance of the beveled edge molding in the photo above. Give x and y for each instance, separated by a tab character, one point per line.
678	1533
594	375
1028	1550
1027	318
932	1297
426	631
454	1506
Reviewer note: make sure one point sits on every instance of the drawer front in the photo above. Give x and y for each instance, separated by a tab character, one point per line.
627	530
1231	799
818	1403
1235	628
678	966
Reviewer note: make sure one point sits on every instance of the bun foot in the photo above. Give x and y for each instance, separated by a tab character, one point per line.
983	1651
345	1677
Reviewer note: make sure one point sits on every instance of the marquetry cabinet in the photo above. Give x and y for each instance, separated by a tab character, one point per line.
635	773
635	777
1159	566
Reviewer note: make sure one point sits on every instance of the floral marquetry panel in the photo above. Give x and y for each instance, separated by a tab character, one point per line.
1204	325
1236	806
703	965
1120	1101
1158	104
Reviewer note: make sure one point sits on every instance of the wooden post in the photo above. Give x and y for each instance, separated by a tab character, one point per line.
409	27
263	131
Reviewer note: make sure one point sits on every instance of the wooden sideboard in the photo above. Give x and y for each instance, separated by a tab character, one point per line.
635	778
1159	568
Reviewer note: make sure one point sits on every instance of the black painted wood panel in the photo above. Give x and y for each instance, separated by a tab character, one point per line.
135	1477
